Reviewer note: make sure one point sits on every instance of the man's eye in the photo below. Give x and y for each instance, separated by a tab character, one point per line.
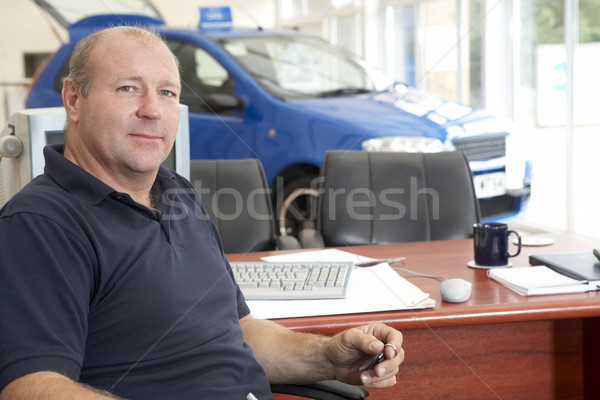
126	89
167	93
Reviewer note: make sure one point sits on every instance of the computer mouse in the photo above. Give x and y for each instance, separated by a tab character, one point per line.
455	290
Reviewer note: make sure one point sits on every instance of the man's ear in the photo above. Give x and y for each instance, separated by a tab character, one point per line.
70	97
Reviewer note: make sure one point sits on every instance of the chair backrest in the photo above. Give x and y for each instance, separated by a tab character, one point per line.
372	197
235	195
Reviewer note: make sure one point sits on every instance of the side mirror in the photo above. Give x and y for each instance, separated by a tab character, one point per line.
219	102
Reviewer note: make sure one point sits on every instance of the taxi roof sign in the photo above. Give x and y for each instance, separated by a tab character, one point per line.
215	18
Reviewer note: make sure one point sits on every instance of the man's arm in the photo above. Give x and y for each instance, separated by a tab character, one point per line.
292	357
50	386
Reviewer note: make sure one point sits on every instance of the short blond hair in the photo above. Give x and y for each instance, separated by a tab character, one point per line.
79	68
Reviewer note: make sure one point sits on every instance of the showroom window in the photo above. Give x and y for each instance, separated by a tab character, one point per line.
557	99
534	62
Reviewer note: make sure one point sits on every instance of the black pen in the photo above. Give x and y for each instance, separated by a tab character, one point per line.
371	362
375	262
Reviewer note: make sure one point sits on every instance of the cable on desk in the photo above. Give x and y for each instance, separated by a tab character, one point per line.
440	278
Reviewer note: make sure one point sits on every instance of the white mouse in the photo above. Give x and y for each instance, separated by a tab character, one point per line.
455	290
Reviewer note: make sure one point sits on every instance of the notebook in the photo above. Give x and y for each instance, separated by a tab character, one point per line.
577	265
536	280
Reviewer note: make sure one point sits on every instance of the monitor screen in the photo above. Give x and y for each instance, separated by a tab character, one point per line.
38	127
55	137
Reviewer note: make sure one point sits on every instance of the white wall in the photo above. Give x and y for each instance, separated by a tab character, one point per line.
23	29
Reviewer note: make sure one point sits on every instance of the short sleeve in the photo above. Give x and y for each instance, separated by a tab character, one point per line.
43	327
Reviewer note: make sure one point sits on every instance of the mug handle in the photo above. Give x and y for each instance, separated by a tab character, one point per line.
508	233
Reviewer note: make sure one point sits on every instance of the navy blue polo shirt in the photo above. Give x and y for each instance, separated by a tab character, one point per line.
99	288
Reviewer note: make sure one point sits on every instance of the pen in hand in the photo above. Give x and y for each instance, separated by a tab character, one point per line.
371	362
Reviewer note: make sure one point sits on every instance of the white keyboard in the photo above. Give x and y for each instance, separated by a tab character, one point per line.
292	280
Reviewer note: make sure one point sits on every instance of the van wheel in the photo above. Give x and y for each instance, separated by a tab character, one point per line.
298	210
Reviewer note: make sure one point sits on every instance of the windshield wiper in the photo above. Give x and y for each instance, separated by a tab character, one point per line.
343	92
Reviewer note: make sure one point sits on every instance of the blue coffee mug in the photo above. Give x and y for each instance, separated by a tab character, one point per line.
491	244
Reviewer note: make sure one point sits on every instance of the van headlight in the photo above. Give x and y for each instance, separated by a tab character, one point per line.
406	144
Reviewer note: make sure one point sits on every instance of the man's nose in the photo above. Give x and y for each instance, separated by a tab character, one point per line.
149	106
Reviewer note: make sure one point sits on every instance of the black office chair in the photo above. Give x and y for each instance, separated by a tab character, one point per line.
372	197
325	390
236	197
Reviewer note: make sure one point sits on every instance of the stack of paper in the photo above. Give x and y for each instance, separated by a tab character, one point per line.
320	255
537	280
371	289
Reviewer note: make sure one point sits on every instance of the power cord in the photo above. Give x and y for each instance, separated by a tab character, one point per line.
440	278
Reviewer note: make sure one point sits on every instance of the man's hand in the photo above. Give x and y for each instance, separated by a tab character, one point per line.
349	349
293	357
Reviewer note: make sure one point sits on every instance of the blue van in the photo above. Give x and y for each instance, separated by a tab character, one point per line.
286	98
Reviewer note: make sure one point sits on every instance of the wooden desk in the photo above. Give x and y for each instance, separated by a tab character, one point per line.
498	345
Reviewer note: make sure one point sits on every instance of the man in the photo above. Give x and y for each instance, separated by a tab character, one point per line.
102	296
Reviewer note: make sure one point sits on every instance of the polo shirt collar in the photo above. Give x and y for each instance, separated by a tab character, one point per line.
76	180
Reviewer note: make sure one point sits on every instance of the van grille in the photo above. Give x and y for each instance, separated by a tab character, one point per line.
482	147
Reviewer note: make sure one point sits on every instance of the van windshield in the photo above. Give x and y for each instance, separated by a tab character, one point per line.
301	66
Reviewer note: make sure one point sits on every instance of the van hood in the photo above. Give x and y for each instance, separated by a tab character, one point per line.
405	112
67	13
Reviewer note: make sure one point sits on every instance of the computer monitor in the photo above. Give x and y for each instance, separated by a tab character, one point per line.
37	127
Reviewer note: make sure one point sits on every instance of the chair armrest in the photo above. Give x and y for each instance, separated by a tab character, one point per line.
324	390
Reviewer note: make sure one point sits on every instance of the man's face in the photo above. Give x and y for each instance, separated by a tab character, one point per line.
128	122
